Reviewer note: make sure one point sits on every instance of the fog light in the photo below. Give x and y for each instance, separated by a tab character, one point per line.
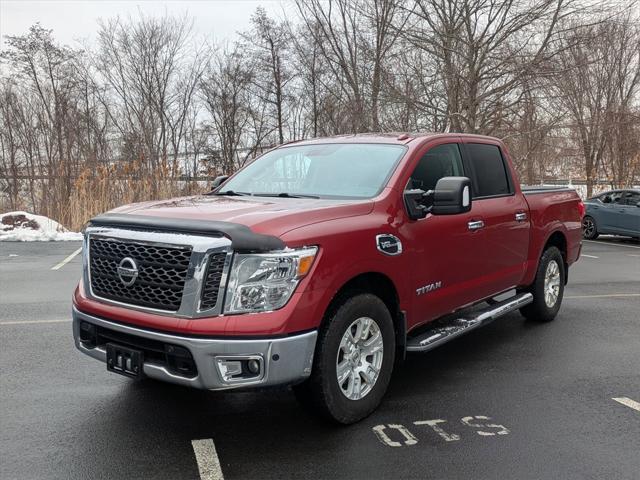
229	369
240	369
253	366
88	333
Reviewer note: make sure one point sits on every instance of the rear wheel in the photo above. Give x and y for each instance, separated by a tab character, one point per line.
547	288
353	361
589	230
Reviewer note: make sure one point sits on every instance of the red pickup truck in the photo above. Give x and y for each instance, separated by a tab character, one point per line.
321	263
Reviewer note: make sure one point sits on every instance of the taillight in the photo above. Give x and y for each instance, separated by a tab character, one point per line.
582	209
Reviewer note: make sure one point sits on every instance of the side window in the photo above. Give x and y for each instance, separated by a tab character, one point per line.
490	170
605	198
631	198
614	197
441	161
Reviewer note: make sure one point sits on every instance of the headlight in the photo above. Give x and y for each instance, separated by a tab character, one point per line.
263	282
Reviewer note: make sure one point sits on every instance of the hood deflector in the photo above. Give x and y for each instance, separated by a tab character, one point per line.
241	236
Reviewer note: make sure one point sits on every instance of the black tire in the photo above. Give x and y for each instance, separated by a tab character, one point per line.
539	310
321	391
589	228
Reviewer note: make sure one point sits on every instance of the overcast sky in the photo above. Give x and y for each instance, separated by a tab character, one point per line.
74	20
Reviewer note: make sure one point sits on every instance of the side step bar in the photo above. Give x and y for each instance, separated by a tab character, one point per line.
444	332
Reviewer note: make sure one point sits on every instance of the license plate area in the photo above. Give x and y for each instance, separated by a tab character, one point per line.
123	360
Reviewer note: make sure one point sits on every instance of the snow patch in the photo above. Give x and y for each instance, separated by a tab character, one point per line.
27	227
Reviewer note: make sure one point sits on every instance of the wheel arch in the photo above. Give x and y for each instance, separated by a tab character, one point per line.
558	239
382	286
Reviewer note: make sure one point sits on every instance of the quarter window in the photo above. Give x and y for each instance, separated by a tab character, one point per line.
441	161
490	171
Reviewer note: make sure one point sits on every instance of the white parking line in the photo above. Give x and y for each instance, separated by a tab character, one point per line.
610	243
610	295
628	402
207	459
29	322
588	256
66	260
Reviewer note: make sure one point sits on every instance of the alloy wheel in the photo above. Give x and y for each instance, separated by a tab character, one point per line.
588	227
359	358
552	283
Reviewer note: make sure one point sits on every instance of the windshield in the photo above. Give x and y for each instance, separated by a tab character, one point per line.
324	171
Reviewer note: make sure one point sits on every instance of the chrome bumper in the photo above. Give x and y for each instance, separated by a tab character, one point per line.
285	360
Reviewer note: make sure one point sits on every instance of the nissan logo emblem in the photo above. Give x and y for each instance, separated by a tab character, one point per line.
128	271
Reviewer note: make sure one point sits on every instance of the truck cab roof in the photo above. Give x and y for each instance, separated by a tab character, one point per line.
399	138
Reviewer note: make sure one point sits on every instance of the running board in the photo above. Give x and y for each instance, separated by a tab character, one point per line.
445	332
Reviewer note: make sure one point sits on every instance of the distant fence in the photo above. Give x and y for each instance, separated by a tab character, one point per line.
179	178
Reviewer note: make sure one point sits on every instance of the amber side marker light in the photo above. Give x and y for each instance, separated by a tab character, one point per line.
305	265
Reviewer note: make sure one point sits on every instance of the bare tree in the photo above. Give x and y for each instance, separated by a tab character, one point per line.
152	73
599	77
268	43
45	72
10	161
238	119
484	51
356	37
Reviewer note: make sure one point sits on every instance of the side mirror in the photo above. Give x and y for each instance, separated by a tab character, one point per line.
638	204
219	180
451	196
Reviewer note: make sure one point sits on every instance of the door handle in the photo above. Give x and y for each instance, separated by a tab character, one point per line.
521	216
475	225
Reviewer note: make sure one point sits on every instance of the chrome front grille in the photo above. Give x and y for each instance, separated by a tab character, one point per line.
176	274
212	280
160	282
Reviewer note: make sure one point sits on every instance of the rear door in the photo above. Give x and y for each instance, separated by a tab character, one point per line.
629	213
505	213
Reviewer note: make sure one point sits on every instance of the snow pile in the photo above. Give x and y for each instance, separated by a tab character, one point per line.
27	227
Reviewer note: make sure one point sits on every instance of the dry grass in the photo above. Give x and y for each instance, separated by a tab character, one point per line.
96	191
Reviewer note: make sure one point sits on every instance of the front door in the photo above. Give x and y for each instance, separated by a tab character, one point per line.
448	249
608	217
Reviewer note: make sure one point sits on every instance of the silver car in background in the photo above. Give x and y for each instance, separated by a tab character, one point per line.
616	212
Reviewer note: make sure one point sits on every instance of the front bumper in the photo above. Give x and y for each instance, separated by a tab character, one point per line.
285	360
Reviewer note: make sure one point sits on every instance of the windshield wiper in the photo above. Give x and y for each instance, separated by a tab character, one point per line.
285	195
231	193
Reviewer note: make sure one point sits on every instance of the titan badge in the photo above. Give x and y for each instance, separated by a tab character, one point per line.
428	288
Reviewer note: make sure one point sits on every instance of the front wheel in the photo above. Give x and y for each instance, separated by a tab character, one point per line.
353	360
547	288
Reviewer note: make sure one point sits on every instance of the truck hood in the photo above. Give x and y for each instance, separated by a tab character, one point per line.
266	215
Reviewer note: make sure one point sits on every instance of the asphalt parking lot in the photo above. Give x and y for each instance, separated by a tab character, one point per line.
511	400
